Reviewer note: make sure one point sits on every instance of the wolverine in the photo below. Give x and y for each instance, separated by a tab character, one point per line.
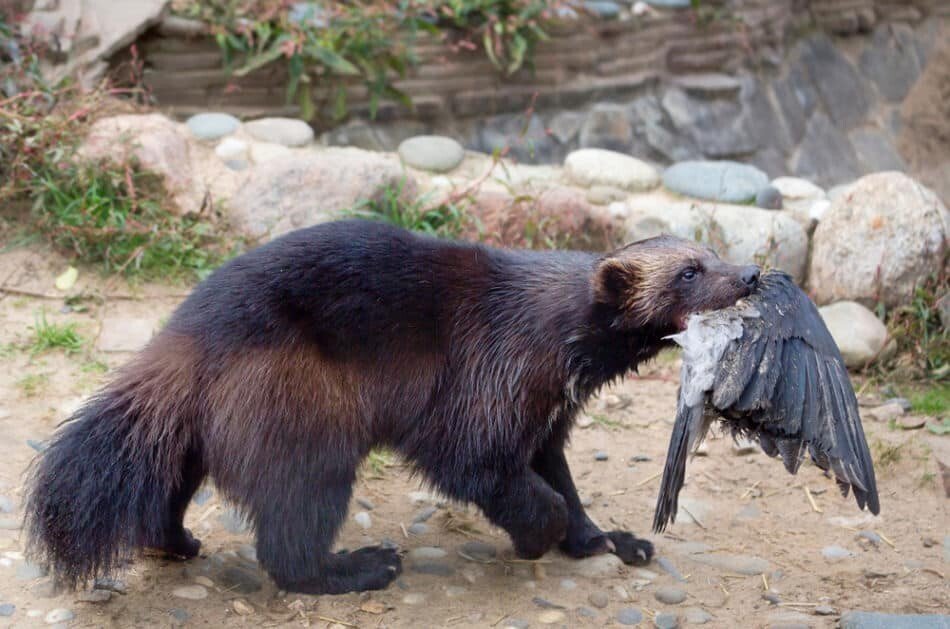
278	373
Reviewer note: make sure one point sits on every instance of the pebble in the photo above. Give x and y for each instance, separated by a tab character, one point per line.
599	167
568	584
870	536
113	585
772	597
95	596
180	616
670	569
768	198
598	598
205	581
643	573
366	504
231	149
877	620
434	153
629	616
833	553
670	595
417	529
697	616
58	615
212	125
666	621
239	579
825	610
424	514
586	612
7	609
607	565
247	553
6	505
479	550
544	603
242	607
284	131
640	458
600	455
413	599
362	518
436	568
516	623
426	553
551	617
191	592
202	496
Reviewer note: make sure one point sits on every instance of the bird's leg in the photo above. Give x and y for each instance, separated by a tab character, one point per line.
584	538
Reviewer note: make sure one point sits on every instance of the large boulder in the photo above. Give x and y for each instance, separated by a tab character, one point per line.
600	167
859	334
158	144
878	241
304	189
740	234
730	182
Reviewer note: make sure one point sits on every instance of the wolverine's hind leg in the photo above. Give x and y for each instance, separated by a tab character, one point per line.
172	537
297	515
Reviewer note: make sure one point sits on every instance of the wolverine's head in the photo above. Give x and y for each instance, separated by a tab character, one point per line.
658	282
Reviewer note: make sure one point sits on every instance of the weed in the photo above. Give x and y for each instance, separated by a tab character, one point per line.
33	384
932	401
377	462
7	350
923	342
47	336
390	206
886	454
926	479
606	422
94	366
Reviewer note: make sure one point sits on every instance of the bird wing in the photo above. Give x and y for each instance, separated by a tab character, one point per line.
782	380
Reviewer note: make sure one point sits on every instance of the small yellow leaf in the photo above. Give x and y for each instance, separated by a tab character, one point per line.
67	279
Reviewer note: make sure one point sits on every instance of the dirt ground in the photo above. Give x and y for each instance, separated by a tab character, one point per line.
736	505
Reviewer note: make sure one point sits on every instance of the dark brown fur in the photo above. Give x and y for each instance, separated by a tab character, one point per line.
281	371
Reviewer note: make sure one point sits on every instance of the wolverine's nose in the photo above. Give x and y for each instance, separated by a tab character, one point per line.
750	275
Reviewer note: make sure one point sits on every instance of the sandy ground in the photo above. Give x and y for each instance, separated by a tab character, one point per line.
737	505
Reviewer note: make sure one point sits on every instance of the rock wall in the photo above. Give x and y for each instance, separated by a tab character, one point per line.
812	88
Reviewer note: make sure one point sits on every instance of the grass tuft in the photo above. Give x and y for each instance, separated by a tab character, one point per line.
47	336
933	401
420	215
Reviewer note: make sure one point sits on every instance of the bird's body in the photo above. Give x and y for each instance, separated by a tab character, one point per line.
768	368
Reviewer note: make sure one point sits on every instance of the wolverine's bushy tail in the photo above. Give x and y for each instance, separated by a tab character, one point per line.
101	489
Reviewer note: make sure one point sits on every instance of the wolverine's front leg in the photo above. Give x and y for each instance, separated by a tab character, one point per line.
583	537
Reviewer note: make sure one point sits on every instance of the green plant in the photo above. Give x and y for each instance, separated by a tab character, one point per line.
923	342
33	384
932	401
377	461
446	220
48	336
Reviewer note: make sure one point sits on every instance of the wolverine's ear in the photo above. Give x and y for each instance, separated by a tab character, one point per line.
613	279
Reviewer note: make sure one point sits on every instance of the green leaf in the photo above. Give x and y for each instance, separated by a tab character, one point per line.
331	60
305	100
339	104
260	60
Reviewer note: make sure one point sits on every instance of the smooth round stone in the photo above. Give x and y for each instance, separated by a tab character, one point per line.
670	595
284	131
697	616
600	167
434	153
426	553
59	615
604	9
666	621
366	504
231	149
7	609
247	553
568	584
425	514
179	615
870	536
768	198
479	550
239	579
516	623
95	596
262	152
629	616
212	125
670	4
606	565
598	599
795	188
835	552
418	528
362	518
726	181
600	455
552	617
413	599
191	592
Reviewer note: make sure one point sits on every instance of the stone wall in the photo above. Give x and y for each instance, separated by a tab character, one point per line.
812	88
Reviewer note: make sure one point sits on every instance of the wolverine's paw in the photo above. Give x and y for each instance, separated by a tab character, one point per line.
631	550
180	545
368	568
593	543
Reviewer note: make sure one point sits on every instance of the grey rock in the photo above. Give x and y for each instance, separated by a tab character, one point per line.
212	125
629	616
283	131
670	595
641	458
797	99
366	504
825	154
544	603
27	571
875	151
586	612
666	621
239	579
233	521
604	9
708	85
177	26
760	120
740	564
600	455
479	550
432	152
670	4
516	623
769	160
878	241
417	528
247	553
772	597
359	134
593	167
727	181
433	567
191	592
877	620
568	584
95	596
844	94
59	615
672	147
607	565
426	553
834	553
202	496
607	127
891	61
179	616
7	609
598	598
769	198
6	505
697	616
670	569
870	536
825	610
425	514
713	126
566	125
363	519
113	585
527	143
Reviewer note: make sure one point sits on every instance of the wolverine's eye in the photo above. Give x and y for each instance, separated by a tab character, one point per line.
689	275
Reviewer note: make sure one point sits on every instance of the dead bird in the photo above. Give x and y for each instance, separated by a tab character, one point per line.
768	368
